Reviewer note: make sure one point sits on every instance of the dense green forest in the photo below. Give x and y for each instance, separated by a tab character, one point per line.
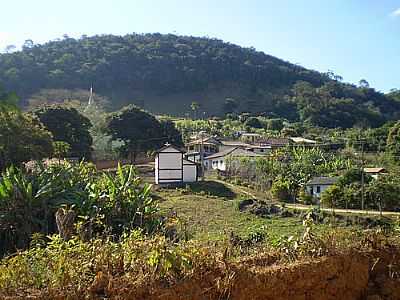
166	73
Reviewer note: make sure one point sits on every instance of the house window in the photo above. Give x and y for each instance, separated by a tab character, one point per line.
312	191
318	189
221	162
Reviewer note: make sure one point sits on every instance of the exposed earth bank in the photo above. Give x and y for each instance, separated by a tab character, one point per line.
349	276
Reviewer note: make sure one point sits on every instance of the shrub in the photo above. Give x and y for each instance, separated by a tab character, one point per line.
305	197
281	190
331	196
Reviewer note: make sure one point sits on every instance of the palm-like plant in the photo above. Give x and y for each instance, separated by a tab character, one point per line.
123	199
28	201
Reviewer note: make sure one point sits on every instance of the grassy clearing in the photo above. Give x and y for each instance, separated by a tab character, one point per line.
208	211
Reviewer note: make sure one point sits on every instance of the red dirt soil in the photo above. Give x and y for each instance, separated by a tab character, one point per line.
344	277
371	276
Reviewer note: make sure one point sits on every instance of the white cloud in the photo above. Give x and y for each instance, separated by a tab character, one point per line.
396	13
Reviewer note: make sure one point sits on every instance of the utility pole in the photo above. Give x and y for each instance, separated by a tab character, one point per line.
202	154
362	175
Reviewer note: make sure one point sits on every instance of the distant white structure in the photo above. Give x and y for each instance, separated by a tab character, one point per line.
91	100
217	161
172	167
301	140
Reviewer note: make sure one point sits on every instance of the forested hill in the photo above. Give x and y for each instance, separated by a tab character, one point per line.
166	73
150	65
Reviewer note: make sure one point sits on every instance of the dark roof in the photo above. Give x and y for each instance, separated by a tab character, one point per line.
236	151
206	140
275	141
235	143
170	146
221	153
323	181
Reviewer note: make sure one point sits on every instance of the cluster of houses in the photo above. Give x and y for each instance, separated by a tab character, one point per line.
214	151
174	165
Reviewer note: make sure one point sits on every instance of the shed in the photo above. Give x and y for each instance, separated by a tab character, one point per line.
317	185
375	172
172	167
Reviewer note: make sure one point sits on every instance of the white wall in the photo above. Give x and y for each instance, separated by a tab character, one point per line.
156	169
216	163
189	173
170	160
169	166
315	193
166	174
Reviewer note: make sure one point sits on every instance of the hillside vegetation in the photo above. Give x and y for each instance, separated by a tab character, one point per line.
166	73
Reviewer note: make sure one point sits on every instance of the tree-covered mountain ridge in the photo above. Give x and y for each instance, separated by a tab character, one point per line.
165	73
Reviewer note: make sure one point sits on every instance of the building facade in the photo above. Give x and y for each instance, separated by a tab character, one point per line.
171	166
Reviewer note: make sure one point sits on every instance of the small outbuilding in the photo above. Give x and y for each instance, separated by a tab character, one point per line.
375	172
171	167
317	185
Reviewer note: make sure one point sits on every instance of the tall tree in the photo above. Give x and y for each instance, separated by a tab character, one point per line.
68	125
22	137
139	130
363	83
170	133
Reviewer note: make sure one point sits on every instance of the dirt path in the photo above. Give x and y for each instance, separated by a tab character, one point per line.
243	190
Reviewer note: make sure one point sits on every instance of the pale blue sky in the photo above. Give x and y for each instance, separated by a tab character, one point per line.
354	38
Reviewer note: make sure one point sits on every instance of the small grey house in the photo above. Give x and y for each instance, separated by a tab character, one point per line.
317	185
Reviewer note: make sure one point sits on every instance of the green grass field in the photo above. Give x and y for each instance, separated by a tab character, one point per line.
209	212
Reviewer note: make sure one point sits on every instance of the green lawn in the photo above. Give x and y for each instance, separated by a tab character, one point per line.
209	212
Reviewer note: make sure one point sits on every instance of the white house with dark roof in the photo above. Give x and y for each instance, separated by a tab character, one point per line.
317	185
217	161
171	167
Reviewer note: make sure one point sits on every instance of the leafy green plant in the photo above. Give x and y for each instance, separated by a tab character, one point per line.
102	201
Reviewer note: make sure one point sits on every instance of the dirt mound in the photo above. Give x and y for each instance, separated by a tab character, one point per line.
345	277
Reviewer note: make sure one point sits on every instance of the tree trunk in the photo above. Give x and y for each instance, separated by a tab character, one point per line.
65	223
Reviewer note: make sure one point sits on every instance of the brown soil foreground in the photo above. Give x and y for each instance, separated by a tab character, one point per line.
353	276
356	275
